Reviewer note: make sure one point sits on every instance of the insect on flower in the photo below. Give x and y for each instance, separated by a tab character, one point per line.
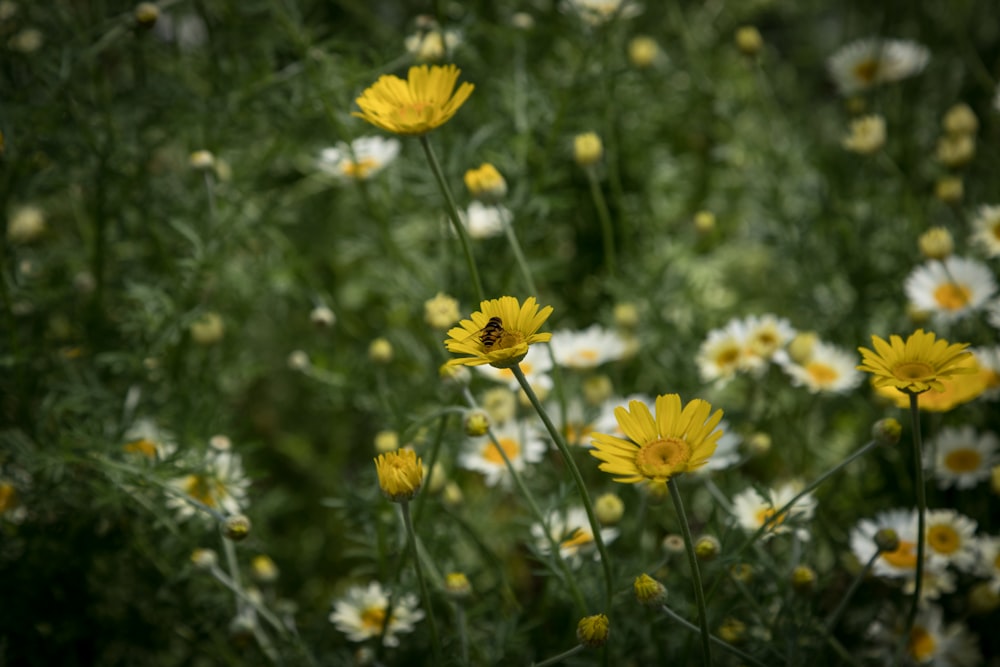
490	335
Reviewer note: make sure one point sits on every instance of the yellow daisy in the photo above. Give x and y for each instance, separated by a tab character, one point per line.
425	100
955	391
679	439
916	365
400	474
499	333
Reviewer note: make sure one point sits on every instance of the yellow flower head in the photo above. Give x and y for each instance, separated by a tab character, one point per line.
499	333
915	365
425	100
956	390
587	149
679	439
649	591
486	183
400	474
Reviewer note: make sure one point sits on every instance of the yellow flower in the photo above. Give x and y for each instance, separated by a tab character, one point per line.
486	183
677	440
499	333
400	474
956	390
593	631
649	591
417	105
916	365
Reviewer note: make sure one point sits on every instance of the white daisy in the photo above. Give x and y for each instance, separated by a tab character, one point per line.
721	354
988	359
936	645
962	458
597	12
218	486
519	441
433	45
828	369
571	531
993	314
146	439
899	563
987	229
535	366
484	221
588	348
360	614
988	564
867	63
936	582
951	539
751	510
765	335
365	157
951	288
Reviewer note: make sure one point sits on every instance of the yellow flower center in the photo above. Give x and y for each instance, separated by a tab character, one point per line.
822	374
765	342
951	296
727	356
995	230
662	458
8	497
360	169
867	70
921	644
578	539
587	355
913	370
142	446
204	489
373	618
963	460
904	557
943	539
511	447
765	514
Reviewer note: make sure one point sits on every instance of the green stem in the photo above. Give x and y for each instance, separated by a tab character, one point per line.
699	592
515	247
581	486
918	481
607	230
456	220
463	635
749	659
556	659
424	592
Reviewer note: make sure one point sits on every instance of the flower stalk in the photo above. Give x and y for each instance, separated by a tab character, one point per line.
699	591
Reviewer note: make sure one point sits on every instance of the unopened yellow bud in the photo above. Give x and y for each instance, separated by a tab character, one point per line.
593	631
400	474
477	423
386	441
732	631
380	351
707	547
887	431
748	40
960	119
457	585
649	591
936	243
642	51
801	347
949	189
803	579
236	527
609	509
208	329
486	183
587	149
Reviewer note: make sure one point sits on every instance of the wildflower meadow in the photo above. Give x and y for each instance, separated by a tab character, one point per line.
535	332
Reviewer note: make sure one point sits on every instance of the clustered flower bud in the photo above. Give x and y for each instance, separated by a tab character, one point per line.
748	40
587	149
936	243
609	509
707	547
477	423
803	579
649	591
400	474
593	631
457	585
236	527
887	431
485	183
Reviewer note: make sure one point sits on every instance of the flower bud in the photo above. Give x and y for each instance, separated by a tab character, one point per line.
886	540
704	222
26	224
983	599
452	495
649	591
801	347
380	351
207	329
146	14
803	579
587	149
202	160
949	189
609	509
732	631
263	569
485	183
642	51
204	559
298	360
748	40
386	441
759	443
457	585
626	315
454	375
960	119
673	544
477	423
956	150
936	243
707	547
887	431
742	572
322	317
593	631
236	527
441	311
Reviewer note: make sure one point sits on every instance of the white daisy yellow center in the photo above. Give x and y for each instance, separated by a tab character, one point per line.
922	645
822	374
142	446
727	355
904	557
578	539
204	489
360	169
944	539
963	460
951	296
511	447
373	619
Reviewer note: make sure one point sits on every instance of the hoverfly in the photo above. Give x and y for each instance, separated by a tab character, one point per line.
491	334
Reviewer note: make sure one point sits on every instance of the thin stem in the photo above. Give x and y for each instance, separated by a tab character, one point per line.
463	635
522	263
556	659
424	592
607	229
699	592
749	659
918	481
456	220
581	486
